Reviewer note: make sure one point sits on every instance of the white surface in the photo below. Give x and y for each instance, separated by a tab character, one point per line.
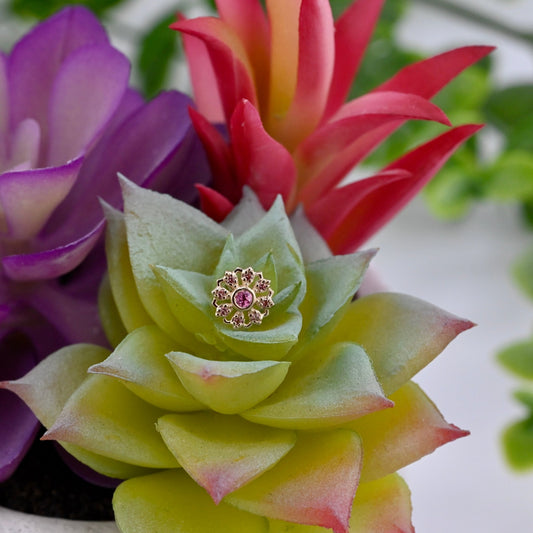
13	522
465	486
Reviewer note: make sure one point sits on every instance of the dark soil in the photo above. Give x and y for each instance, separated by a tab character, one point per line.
44	485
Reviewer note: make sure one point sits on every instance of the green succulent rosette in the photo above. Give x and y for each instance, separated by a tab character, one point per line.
295	421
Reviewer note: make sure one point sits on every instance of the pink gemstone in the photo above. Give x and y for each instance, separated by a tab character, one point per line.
243	298
262	285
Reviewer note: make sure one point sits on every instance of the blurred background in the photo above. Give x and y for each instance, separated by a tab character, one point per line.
464	245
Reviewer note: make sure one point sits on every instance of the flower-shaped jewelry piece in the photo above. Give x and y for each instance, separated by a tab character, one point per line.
243	297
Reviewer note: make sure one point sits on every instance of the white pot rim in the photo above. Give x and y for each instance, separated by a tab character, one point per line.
16	522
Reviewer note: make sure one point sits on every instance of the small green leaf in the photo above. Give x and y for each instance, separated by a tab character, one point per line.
511	176
41	10
525	397
523	272
158	49
508	107
518	358
518	444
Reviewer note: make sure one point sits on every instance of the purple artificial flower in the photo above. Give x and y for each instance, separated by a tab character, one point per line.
68	123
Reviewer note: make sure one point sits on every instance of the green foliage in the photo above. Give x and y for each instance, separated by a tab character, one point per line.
518	358
41	9
518	443
158	49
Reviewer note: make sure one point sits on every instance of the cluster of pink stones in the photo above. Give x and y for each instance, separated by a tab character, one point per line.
242	297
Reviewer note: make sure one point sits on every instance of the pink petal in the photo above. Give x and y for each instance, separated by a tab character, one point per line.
37	57
316	57
219	155
262	163
426	78
51	263
329	153
352	33
87	91
284	23
214	204
342	203
228	57
203	78
249	22
377	208
29	197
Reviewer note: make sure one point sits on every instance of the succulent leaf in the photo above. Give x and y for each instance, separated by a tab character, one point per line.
411	334
170	502
104	417
323	390
228	387
313	484
223	453
139	362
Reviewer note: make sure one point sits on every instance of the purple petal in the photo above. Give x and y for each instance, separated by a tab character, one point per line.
29	197
4	105
51	263
76	318
36	59
25	144
19	425
86	473
87	91
145	145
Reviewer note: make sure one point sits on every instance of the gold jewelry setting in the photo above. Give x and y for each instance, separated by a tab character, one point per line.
242	297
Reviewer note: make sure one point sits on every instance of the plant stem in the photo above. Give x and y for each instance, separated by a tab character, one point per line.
478	18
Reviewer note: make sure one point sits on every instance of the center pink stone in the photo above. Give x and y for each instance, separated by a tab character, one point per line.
243	298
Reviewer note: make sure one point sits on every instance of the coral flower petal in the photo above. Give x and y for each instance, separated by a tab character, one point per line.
377	208
427	77
219	154
283	17
228	57
316	57
214	204
203	78
314	484
345	203
353	30
262	163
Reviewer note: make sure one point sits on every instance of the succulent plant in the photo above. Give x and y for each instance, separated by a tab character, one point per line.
297	422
